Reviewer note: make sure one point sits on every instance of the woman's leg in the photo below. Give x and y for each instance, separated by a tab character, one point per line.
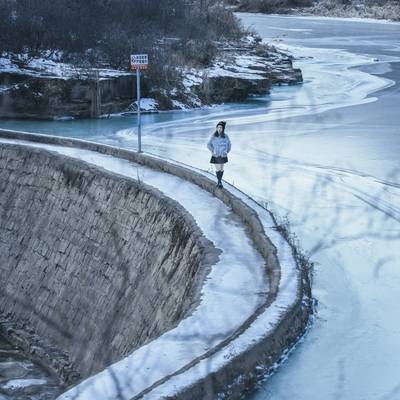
220	171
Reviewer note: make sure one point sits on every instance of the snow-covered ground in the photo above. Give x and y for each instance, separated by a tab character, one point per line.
22	383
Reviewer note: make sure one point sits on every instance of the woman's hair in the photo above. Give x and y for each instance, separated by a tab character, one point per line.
217	134
221	123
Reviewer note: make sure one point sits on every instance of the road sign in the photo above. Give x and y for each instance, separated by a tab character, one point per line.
139	61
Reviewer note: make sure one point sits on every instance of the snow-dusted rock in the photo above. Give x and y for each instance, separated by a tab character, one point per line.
240	70
47	89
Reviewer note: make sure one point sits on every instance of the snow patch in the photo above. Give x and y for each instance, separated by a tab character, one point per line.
192	78
146	104
64	118
5	88
247	61
179	105
23	383
237	72
49	67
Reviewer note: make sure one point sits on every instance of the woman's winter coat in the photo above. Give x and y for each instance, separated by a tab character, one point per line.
219	146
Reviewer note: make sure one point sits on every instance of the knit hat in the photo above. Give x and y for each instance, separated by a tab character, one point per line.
222	123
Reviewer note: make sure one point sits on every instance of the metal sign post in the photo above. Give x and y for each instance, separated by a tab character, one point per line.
138	62
139	122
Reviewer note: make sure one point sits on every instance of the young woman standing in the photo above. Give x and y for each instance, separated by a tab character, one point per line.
219	145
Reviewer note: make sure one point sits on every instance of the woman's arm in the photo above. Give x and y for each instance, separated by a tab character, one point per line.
210	145
228	144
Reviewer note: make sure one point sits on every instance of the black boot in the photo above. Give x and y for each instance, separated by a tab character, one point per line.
219	176
218	173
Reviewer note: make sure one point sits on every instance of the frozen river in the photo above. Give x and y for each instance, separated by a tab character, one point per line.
325	155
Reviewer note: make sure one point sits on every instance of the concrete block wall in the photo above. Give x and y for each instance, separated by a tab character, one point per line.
96	262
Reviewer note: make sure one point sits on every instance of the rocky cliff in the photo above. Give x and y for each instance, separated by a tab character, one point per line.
26	94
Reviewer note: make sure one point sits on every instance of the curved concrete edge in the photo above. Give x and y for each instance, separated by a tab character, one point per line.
278	324
276	330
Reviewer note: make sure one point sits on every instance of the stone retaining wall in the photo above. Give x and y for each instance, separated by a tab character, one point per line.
94	262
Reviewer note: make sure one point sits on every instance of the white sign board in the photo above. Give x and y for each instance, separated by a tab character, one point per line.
139	61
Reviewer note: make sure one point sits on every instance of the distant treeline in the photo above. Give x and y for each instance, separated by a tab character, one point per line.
268	6
107	31
387	9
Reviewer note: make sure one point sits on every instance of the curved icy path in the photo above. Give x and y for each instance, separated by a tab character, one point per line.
233	290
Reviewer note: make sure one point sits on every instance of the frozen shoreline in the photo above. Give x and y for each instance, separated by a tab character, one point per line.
342	19
332	78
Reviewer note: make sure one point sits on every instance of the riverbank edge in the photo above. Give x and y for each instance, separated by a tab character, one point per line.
242	371
312	11
240	69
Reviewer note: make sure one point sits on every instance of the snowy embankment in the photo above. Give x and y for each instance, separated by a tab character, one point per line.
254	303
50	66
44	87
239	70
389	11
383	10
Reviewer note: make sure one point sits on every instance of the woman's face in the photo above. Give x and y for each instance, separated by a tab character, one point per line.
219	129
